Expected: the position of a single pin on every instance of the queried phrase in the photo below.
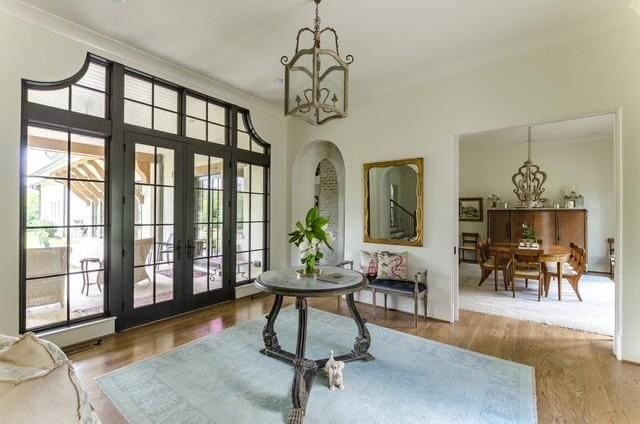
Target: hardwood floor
(578, 379)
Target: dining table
(552, 253)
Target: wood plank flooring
(578, 379)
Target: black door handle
(178, 249)
(190, 248)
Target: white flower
(315, 241)
(330, 236)
(325, 226)
(304, 245)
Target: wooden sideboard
(552, 226)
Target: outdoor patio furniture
(141, 252)
(42, 262)
(86, 280)
(165, 250)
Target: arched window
(127, 205)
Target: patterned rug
(223, 379)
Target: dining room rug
(595, 314)
(224, 379)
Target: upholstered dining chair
(527, 265)
(500, 261)
(571, 271)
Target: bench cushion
(398, 286)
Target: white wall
(580, 77)
(585, 166)
(43, 48)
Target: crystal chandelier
(529, 180)
(316, 79)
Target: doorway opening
(574, 223)
(319, 180)
(327, 199)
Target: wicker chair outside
(41, 262)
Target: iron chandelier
(316, 80)
(529, 180)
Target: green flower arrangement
(528, 233)
(309, 238)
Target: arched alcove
(323, 156)
(327, 199)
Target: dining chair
(571, 271)
(500, 261)
(469, 243)
(527, 265)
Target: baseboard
(630, 349)
(80, 333)
(246, 290)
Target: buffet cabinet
(552, 226)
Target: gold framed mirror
(393, 202)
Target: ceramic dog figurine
(334, 369)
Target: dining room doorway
(551, 185)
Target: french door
(176, 211)
(208, 229)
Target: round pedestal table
(287, 282)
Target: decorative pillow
(38, 384)
(369, 263)
(28, 351)
(392, 266)
(51, 396)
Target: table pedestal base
(305, 369)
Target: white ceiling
(240, 42)
(581, 130)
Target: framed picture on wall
(470, 209)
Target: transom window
(88, 95)
(205, 120)
(245, 140)
(150, 104)
(106, 221)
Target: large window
(65, 229)
(108, 155)
(252, 221)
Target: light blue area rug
(223, 379)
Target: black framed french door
(177, 227)
(153, 230)
(208, 226)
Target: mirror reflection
(393, 202)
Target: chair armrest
(343, 263)
(420, 277)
